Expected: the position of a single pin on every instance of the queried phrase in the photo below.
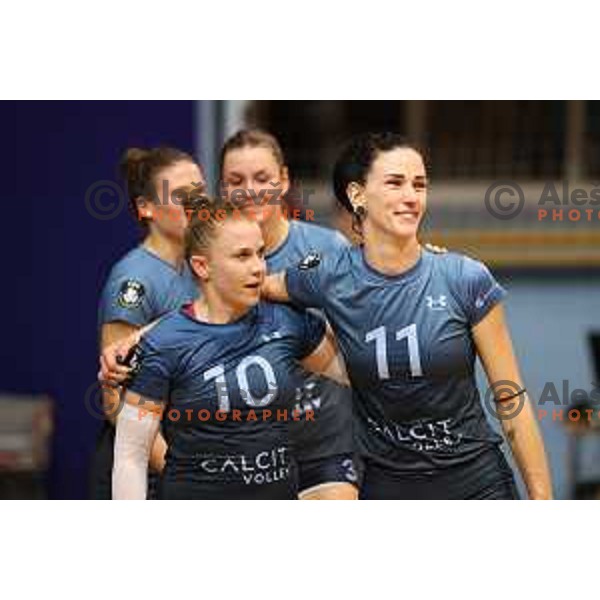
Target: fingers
(110, 356)
(112, 375)
(436, 249)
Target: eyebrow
(236, 174)
(186, 187)
(402, 176)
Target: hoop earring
(358, 216)
(360, 212)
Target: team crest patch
(131, 294)
(309, 261)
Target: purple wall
(56, 254)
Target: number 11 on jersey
(379, 336)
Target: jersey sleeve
(313, 328)
(307, 281)
(127, 299)
(480, 291)
(152, 371)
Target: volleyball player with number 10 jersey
(224, 369)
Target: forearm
(494, 347)
(527, 446)
(327, 360)
(336, 370)
(111, 402)
(158, 452)
(274, 288)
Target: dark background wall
(56, 254)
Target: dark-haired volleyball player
(151, 279)
(410, 325)
(225, 370)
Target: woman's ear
(199, 265)
(145, 208)
(355, 195)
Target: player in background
(254, 175)
(151, 279)
(410, 325)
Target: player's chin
(176, 232)
(250, 295)
(264, 213)
(404, 228)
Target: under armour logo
(482, 299)
(267, 337)
(310, 260)
(437, 304)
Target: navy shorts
(487, 477)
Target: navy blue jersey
(331, 432)
(409, 351)
(229, 392)
(142, 287)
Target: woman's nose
(258, 265)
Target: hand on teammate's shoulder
(436, 249)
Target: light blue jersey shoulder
(141, 287)
(303, 240)
(472, 283)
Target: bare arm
(326, 360)
(495, 350)
(274, 288)
(111, 335)
(111, 370)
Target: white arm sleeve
(136, 430)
